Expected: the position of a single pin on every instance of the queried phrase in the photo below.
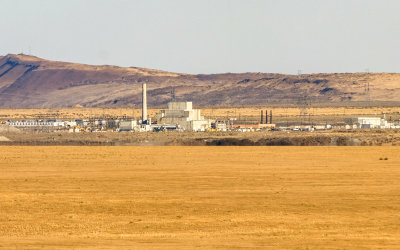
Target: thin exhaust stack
(144, 104)
(262, 118)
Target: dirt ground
(199, 197)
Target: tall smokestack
(144, 104)
(262, 118)
(270, 116)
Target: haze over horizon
(208, 36)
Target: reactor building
(182, 115)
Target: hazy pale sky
(208, 36)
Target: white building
(128, 125)
(372, 122)
(71, 124)
(35, 123)
(184, 116)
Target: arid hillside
(28, 81)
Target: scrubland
(281, 114)
(361, 137)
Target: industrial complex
(181, 116)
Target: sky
(208, 36)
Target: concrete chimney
(144, 104)
(262, 118)
(270, 116)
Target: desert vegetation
(372, 137)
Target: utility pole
(367, 90)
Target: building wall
(127, 125)
(372, 122)
(199, 125)
(182, 114)
(180, 106)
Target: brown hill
(28, 81)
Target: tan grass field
(199, 197)
(229, 112)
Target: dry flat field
(204, 197)
(229, 112)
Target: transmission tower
(173, 97)
(367, 90)
(304, 104)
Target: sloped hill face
(27, 81)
